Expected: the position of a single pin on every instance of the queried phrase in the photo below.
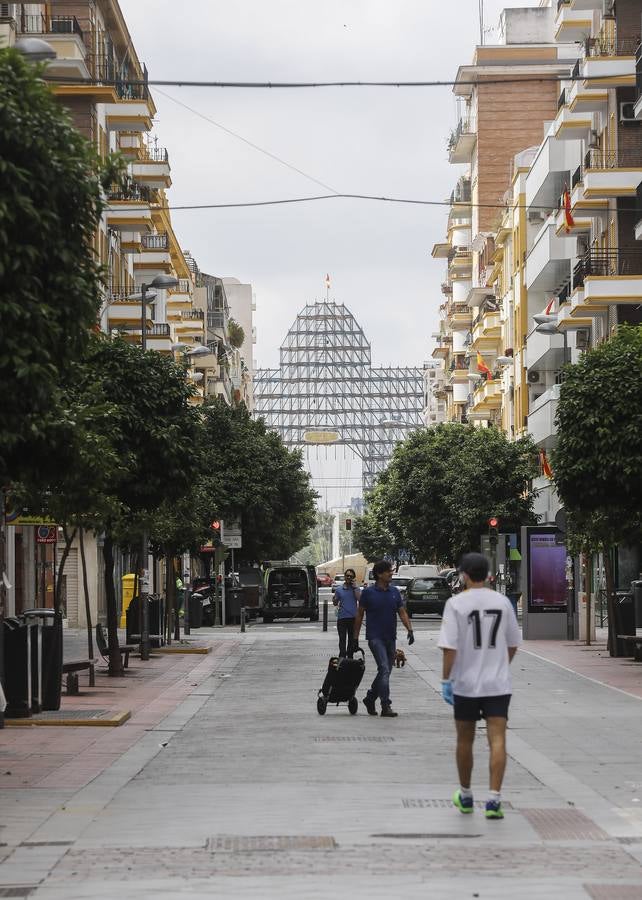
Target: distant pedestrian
(381, 603)
(346, 599)
(479, 637)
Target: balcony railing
(183, 285)
(610, 45)
(193, 314)
(129, 85)
(216, 319)
(607, 263)
(561, 100)
(132, 191)
(41, 24)
(155, 241)
(466, 125)
(154, 154)
(462, 192)
(613, 159)
(160, 329)
(576, 177)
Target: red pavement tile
(71, 757)
(592, 662)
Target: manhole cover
(334, 738)
(269, 842)
(73, 714)
(411, 803)
(563, 825)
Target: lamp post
(35, 50)
(161, 282)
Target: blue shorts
(472, 709)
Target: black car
(427, 595)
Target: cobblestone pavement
(233, 786)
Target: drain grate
(351, 738)
(418, 836)
(269, 842)
(564, 825)
(411, 803)
(46, 843)
(613, 891)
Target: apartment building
(109, 101)
(502, 107)
(434, 411)
(242, 301)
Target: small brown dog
(400, 658)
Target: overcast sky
(384, 141)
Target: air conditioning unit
(7, 10)
(582, 338)
(533, 377)
(627, 112)
(536, 215)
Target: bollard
(242, 619)
(325, 615)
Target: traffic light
(493, 530)
(215, 528)
(348, 524)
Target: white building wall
(240, 298)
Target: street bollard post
(186, 600)
(325, 615)
(242, 619)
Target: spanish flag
(569, 221)
(549, 306)
(544, 463)
(482, 367)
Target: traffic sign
(232, 535)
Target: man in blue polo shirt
(381, 603)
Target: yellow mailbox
(128, 593)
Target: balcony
(459, 315)
(541, 421)
(154, 255)
(487, 395)
(130, 207)
(123, 312)
(544, 352)
(462, 140)
(152, 167)
(66, 36)
(571, 24)
(549, 171)
(181, 295)
(584, 98)
(610, 174)
(568, 125)
(460, 199)
(460, 261)
(548, 263)
(487, 331)
(609, 59)
(587, 4)
(609, 276)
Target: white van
(425, 571)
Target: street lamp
(545, 318)
(161, 283)
(504, 360)
(35, 50)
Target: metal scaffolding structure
(326, 385)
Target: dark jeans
(384, 654)
(345, 627)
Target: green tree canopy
(236, 333)
(50, 206)
(440, 488)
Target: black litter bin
(17, 668)
(636, 588)
(625, 620)
(132, 624)
(46, 658)
(195, 611)
(233, 605)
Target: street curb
(113, 721)
(203, 651)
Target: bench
(103, 647)
(71, 669)
(636, 640)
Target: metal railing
(128, 84)
(158, 329)
(561, 100)
(183, 286)
(597, 158)
(607, 263)
(462, 192)
(155, 241)
(131, 191)
(610, 45)
(153, 154)
(216, 319)
(576, 177)
(193, 314)
(41, 24)
(466, 125)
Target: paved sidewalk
(235, 787)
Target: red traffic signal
(493, 522)
(215, 526)
(348, 524)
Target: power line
(279, 85)
(373, 197)
(248, 142)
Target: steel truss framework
(326, 383)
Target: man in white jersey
(479, 637)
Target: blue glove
(447, 692)
(411, 637)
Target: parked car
(401, 582)
(425, 570)
(291, 592)
(324, 580)
(452, 577)
(427, 595)
(339, 579)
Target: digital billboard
(547, 584)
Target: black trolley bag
(341, 683)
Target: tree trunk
(610, 602)
(85, 586)
(69, 539)
(115, 661)
(170, 593)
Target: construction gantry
(326, 386)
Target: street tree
(598, 459)
(442, 484)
